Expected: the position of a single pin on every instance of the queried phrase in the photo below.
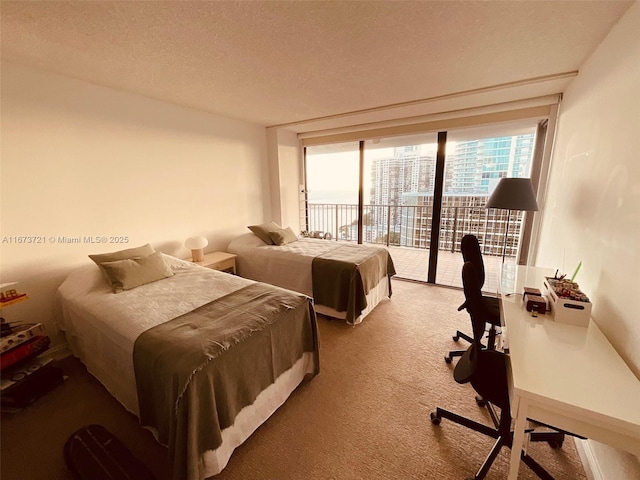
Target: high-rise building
(405, 182)
(400, 207)
(406, 171)
(475, 166)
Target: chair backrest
(468, 363)
(485, 369)
(474, 303)
(470, 248)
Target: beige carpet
(366, 416)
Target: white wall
(593, 204)
(290, 159)
(285, 171)
(84, 160)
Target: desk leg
(518, 441)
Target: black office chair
(470, 248)
(487, 372)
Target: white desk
(566, 376)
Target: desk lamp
(196, 245)
(512, 194)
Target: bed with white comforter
(290, 266)
(102, 327)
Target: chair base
(460, 335)
(503, 436)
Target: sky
(339, 171)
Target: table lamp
(512, 194)
(196, 245)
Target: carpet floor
(365, 416)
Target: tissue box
(567, 310)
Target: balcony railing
(410, 225)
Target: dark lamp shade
(513, 194)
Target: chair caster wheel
(455, 338)
(435, 419)
(480, 401)
(448, 359)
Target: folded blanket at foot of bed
(196, 372)
(344, 276)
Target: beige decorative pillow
(133, 272)
(283, 236)
(142, 251)
(262, 231)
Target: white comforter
(288, 266)
(102, 327)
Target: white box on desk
(565, 310)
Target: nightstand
(223, 261)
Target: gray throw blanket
(344, 276)
(196, 372)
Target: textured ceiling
(283, 62)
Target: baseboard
(588, 459)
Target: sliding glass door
(401, 176)
(419, 194)
(476, 159)
(332, 177)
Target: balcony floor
(413, 264)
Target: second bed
(346, 280)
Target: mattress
(101, 329)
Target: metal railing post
(388, 222)
(455, 226)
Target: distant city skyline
(472, 167)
